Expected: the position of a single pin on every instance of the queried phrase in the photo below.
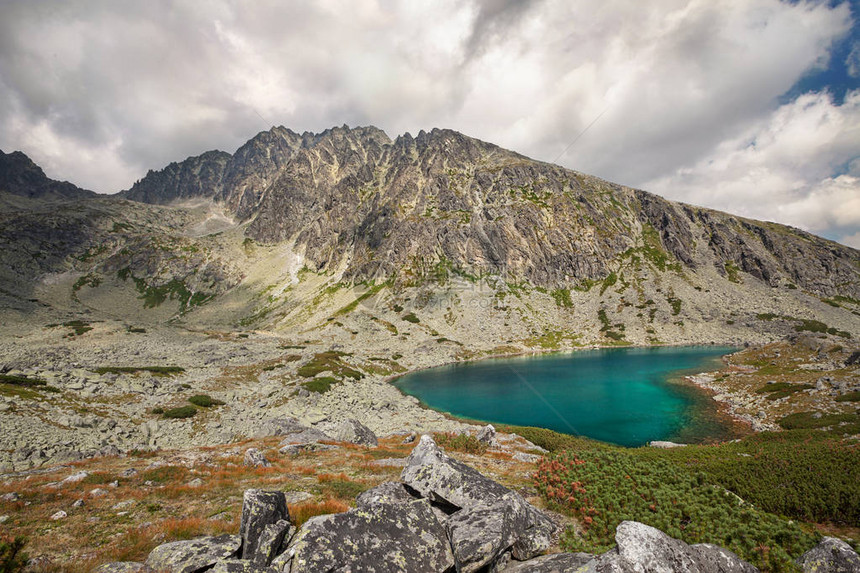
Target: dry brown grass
(301, 512)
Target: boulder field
(441, 516)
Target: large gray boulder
(831, 555)
(278, 427)
(354, 432)
(386, 492)
(193, 555)
(259, 509)
(305, 435)
(556, 563)
(643, 549)
(487, 519)
(392, 537)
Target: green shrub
(12, 556)
(157, 410)
(21, 381)
(205, 401)
(154, 370)
(411, 318)
(181, 412)
(811, 420)
(465, 443)
(604, 488)
(320, 385)
(782, 389)
(562, 297)
(849, 397)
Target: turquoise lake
(625, 396)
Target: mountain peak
(19, 175)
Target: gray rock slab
(271, 541)
(259, 509)
(643, 548)
(380, 537)
(240, 566)
(387, 492)
(556, 563)
(193, 555)
(355, 432)
(831, 555)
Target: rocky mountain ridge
(393, 207)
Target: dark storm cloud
(99, 92)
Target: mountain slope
(20, 176)
(392, 208)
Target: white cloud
(798, 166)
(100, 91)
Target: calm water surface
(626, 396)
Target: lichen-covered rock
(515, 524)
(259, 509)
(380, 537)
(831, 555)
(240, 566)
(556, 563)
(295, 449)
(256, 459)
(193, 555)
(444, 480)
(487, 435)
(355, 432)
(122, 567)
(481, 534)
(387, 492)
(304, 436)
(644, 549)
(272, 541)
(278, 427)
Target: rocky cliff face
(400, 209)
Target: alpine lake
(625, 396)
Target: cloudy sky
(751, 106)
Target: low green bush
(12, 556)
(180, 412)
(321, 384)
(205, 401)
(411, 318)
(604, 488)
(849, 397)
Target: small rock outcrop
(256, 459)
(487, 435)
(487, 519)
(193, 555)
(355, 432)
(556, 563)
(831, 555)
(259, 509)
(642, 548)
(384, 536)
